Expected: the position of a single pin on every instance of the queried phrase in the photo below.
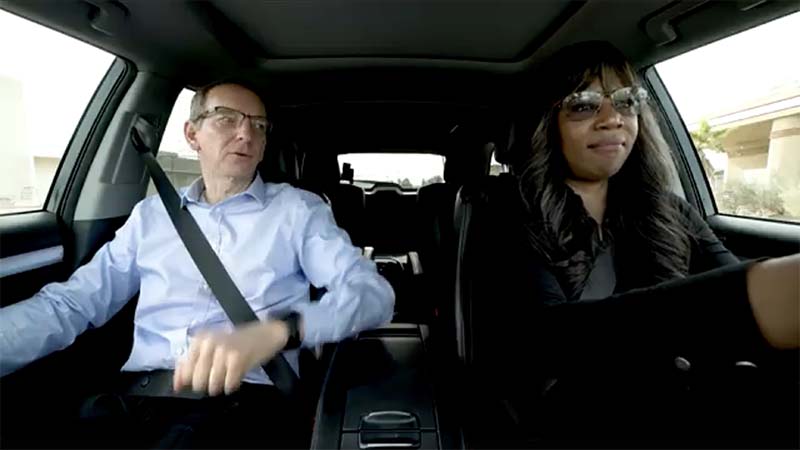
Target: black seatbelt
(217, 278)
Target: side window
(179, 162)
(740, 99)
(46, 81)
(495, 168)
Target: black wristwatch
(292, 320)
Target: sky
(56, 89)
(735, 70)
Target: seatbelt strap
(214, 273)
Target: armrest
(379, 393)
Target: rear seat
(321, 171)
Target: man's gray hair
(198, 105)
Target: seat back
(490, 246)
(437, 235)
(321, 171)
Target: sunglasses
(586, 104)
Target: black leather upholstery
(321, 170)
(487, 228)
(513, 148)
(436, 201)
(437, 233)
(281, 165)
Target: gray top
(603, 278)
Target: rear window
(408, 170)
(179, 162)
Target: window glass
(46, 81)
(495, 168)
(408, 170)
(740, 99)
(179, 162)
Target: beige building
(761, 144)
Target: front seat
(436, 202)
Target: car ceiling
(444, 56)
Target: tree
(405, 183)
(435, 179)
(706, 139)
(755, 200)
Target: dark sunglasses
(586, 104)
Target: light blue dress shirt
(273, 239)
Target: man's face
(229, 144)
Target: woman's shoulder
(690, 215)
(678, 201)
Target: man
(273, 240)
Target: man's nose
(608, 116)
(245, 129)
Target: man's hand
(219, 361)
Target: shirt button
(181, 351)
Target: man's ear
(263, 152)
(190, 133)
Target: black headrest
(280, 164)
(517, 147)
(468, 163)
(321, 168)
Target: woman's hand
(773, 287)
(217, 362)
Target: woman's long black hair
(650, 238)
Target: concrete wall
(45, 168)
(784, 160)
(17, 183)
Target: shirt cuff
(316, 324)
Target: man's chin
(239, 174)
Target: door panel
(752, 238)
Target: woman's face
(596, 142)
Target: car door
(69, 180)
(733, 114)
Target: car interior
(441, 78)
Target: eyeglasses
(586, 104)
(229, 119)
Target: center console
(380, 392)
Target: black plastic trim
(72, 171)
(754, 238)
(23, 233)
(697, 192)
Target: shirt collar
(194, 191)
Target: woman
(616, 269)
